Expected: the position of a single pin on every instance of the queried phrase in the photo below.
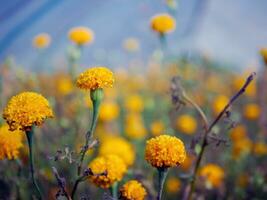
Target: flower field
(179, 128)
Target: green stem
(162, 177)
(29, 135)
(114, 191)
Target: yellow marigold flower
(64, 85)
(251, 111)
(173, 185)
(120, 147)
(213, 175)
(134, 126)
(219, 103)
(260, 149)
(186, 124)
(81, 35)
(96, 77)
(163, 23)
(41, 40)
(165, 151)
(27, 109)
(263, 53)
(112, 165)
(134, 103)
(109, 111)
(10, 143)
(132, 190)
(241, 147)
(131, 44)
(237, 133)
(186, 165)
(157, 128)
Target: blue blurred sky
(229, 31)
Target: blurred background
(230, 32)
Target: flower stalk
(162, 174)
(29, 134)
(114, 190)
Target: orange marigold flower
(213, 175)
(81, 35)
(132, 190)
(163, 23)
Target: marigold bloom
(120, 147)
(25, 110)
(94, 78)
(113, 165)
(132, 190)
(64, 85)
(134, 103)
(237, 133)
(186, 124)
(219, 103)
(131, 44)
(163, 23)
(173, 185)
(157, 128)
(109, 111)
(260, 149)
(81, 35)
(41, 40)
(213, 175)
(186, 165)
(165, 151)
(252, 111)
(10, 143)
(263, 53)
(241, 147)
(134, 126)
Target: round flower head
(41, 40)
(94, 78)
(213, 175)
(112, 165)
(10, 143)
(186, 124)
(120, 147)
(109, 111)
(132, 190)
(165, 151)
(252, 111)
(81, 35)
(219, 103)
(173, 185)
(163, 23)
(25, 110)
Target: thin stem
(114, 190)
(162, 177)
(96, 105)
(207, 131)
(77, 182)
(29, 135)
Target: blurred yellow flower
(10, 143)
(41, 40)
(112, 165)
(243, 180)
(96, 77)
(219, 103)
(186, 165)
(260, 149)
(118, 146)
(132, 190)
(134, 103)
(213, 175)
(251, 90)
(134, 126)
(251, 111)
(186, 124)
(157, 128)
(165, 151)
(131, 44)
(263, 53)
(81, 35)
(173, 185)
(163, 23)
(25, 110)
(109, 111)
(237, 133)
(64, 85)
(241, 147)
